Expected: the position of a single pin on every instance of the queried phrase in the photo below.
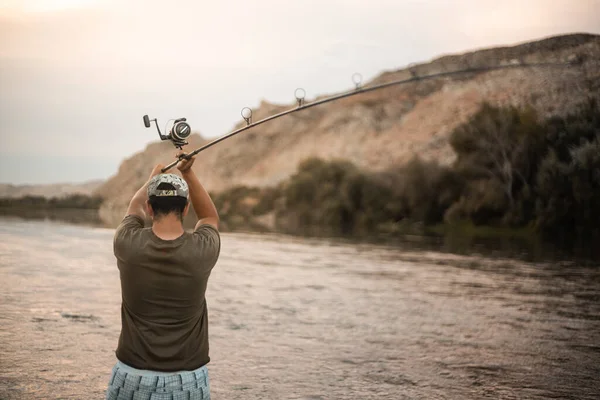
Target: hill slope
(382, 128)
(50, 190)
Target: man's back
(163, 284)
(164, 271)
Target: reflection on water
(490, 244)
(71, 216)
(311, 319)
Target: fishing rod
(180, 130)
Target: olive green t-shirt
(164, 319)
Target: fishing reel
(178, 132)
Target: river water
(294, 318)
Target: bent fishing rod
(180, 130)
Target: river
(298, 318)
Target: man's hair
(167, 204)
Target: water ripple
(310, 319)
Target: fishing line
(181, 129)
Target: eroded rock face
(380, 129)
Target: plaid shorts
(127, 383)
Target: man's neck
(168, 227)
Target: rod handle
(174, 163)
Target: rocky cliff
(379, 129)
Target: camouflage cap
(181, 187)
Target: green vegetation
(514, 174)
(524, 172)
(240, 207)
(76, 209)
(334, 198)
(75, 201)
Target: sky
(76, 76)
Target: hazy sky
(76, 76)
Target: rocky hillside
(51, 190)
(382, 128)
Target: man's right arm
(138, 201)
(203, 205)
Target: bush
(498, 151)
(314, 200)
(569, 192)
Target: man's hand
(203, 205)
(185, 164)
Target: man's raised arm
(203, 205)
(138, 201)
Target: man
(163, 348)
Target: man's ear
(149, 210)
(186, 209)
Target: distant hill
(380, 129)
(50, 190)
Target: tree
(499, 147)
(494, 142)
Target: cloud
(16, 7)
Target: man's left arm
(137, 205)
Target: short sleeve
(208, 243)
(125, 233)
